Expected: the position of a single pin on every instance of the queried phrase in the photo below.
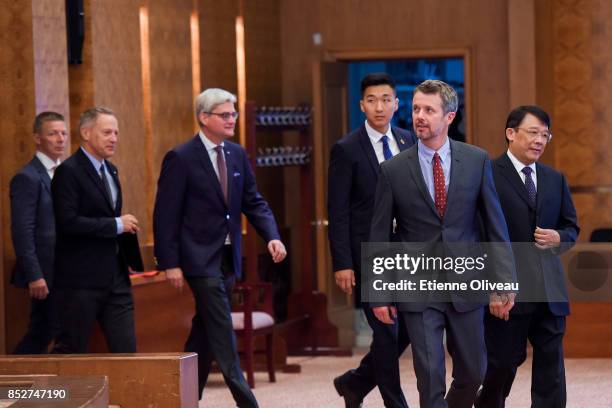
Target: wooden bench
(155, 380)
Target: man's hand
(277, 249)
(546, 238)
(385, 314)
(38, 289)
(500, 305)
(175, 277)
(345, 279)
(130, 223)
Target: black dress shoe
(351, 400)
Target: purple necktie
(222, 170)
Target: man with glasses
(538, 208)
(204, 186)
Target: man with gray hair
(95, 243)
(204, 186)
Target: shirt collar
(518, 165)
(375, 135)
(46, 161)
(96, 163)
(207, 142)
(428, 153)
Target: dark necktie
(529, 185)
(106, 183)
(386, 149)
(439, 185)
(222, 170)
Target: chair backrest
(601, 235)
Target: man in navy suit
(33, 231)
(95, 242)
(204, 186)
(353, 173)
(437, 191)
(538, 209)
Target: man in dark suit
(204, 186)
(353, 173)
(33, 231)
(95, 243)
(436, 191)
(538, 209)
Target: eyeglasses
(224, 115)
(534, 133)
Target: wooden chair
(253, 316)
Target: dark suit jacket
(402, 194)
(32, 224)
(554, 209)
(192, 219)
(88, 247)
(352, 177)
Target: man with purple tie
(204, 186)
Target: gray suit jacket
(472, 205)
(32, 224)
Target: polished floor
(589, 385)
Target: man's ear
(361, 106)
(36, 138)
(510, 135)
(396, 105)
(450, 116)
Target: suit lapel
(113, 173)
(402, 143)
(509, 172)
(202, 153)
(542, 187)
(417, 174)
(94, 176)
(44, 176)
(229, 163)
(456, 171)
(368, 150)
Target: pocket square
(237, 174)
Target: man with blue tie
(353, 173)
(33, 232)
(204, 186)
(95, 242)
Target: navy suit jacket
(191, 218)
(32, 224)
(88, 248)
(554, 209)
(352, 177)
(402, 194)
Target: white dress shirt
(49, 164)
(377, 144)
(520, 166)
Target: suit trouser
(44, 325)
(113, 308)
(380, 366)
(507, 350)
(212, 334)
(465, 344)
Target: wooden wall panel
(171, 80)
(218, 44)
(117, 84)
(583, 104)
(17, 110)
(80, 79)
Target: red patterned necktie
(439, 185)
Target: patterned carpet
(588, 383)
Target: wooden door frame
(347, 56)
